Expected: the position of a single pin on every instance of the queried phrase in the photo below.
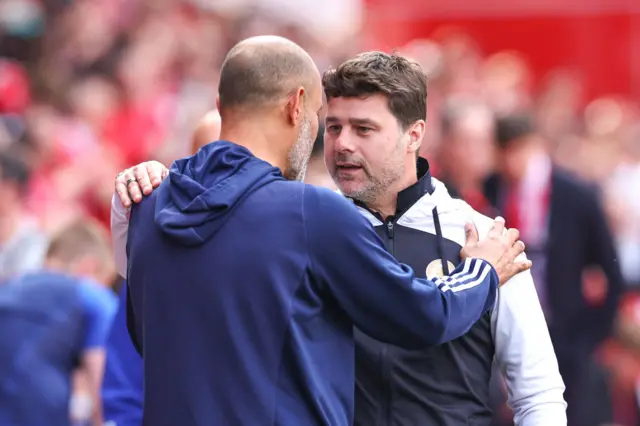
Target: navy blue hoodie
(245, 288)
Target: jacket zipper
(385, 418)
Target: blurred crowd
(88, 88)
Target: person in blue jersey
(54, 323)
(245, 284)
(122, 384)
(122, 394)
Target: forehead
(374, 107)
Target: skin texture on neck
(259, 137)
(386, 203)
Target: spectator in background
(467, 127)
(624, 207)
(615, 396)
(561, 220)
(53, 322)
(122, 395)
(22, 245)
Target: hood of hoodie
(201, 191)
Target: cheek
(376, 150)
(329, 154)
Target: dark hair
(14, 170)
(400, 79)
(513, 127)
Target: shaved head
(269, 98)
(261, 71)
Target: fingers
(143, 183)
(521, 266)
(130, 183)
(515, 250)
(497, 229)
(512, 236)
(513, 266)
(471, 233)
(156, 173)
(123, 194)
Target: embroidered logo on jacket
(435, 269)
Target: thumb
(471, 233)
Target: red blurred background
(596, 39)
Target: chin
(348, 188)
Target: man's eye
(333, 129)
(364, 129)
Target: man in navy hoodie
(245, 284)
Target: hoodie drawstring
(436, 222)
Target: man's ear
(218, 102)
(295, 105)
(416, 133)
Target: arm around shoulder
(383, 297)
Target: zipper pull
(390, 229)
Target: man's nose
(344, 143)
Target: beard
(373, 183)
(301, 152)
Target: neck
(386, 204)
(258, 136)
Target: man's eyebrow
(353, 121)
(363, 122)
